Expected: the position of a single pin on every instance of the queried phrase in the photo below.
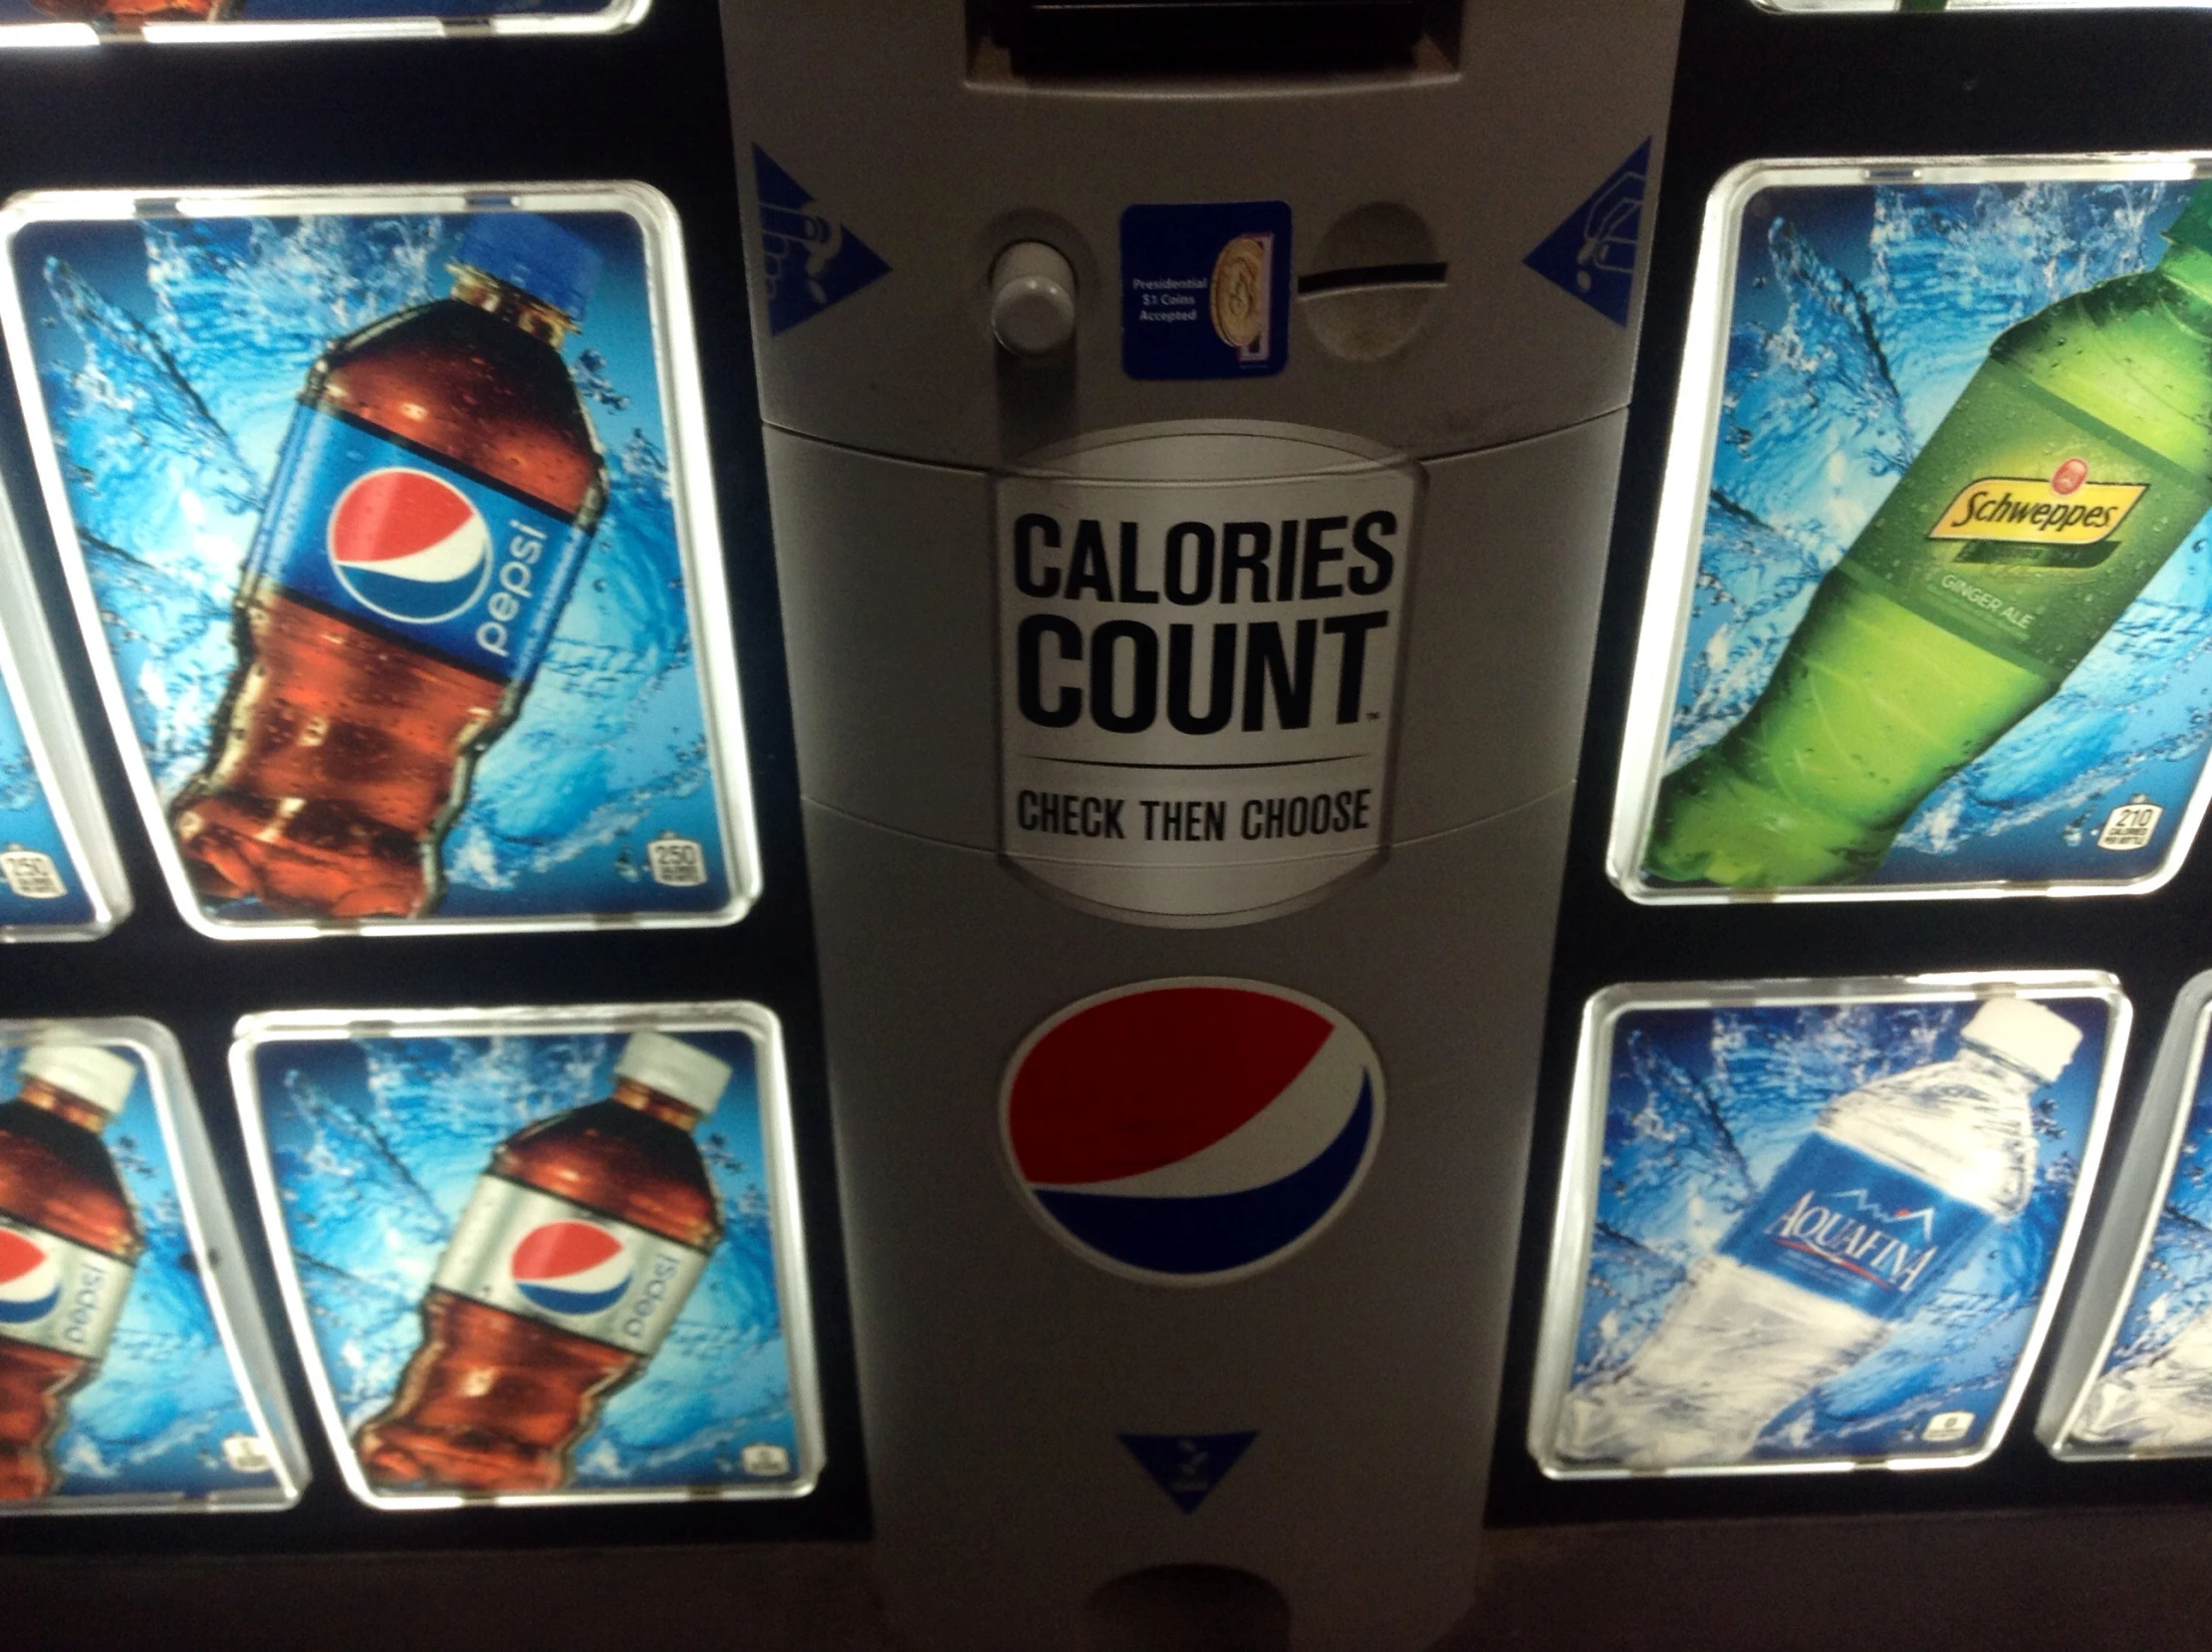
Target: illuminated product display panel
(2002, 688)
(122, 1279)
(491, 681)
(62, 23)
(487, 1184)
(2133, 1374)
(1808, 1225)
(60, 878)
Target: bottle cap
(2025, 1033)
(536, 255)
(2194, 227)
(85, 1071)
(681, 1072)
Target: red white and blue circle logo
(570, 1268)
(29, 1279)
(409, 546)
(1192, 1131)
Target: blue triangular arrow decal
(1594, 254)
(1188, 1465)
(809, 260)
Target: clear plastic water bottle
(1892, 1189)
(2161, 1403)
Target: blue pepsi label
(381, 535)
(1853, 1229)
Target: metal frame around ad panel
(30, 677)
(2128, 1221)
(213, 1236)
(1576, 1211)
(692, 497)
(612, 18)
(1679, 533)
(780, 1174)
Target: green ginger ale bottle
(2076, 459)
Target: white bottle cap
(2025, 1033)
(85, 1071)
(681, 1072)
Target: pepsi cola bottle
(568, 1265)
(69, 1239)
(434, 501)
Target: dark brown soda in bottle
(521, 1346)
(344, 745)
(66, 1228)
(130, 13)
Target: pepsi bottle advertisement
(1801, 1230)
(1930, 597)
(523, 1267)
(43, 22)
(389, 525)
(136, 1375)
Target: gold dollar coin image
(1240, 292)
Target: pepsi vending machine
(1054, 825)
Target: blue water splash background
(26, 823)
(1861, 312)
(1702, 1107)
(152, 1420)
(2174, 1288)
(377, 1145)
(171, 354)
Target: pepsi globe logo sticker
(1192, 1131)
(30, 1281)
(409, 546)
(570, 1268)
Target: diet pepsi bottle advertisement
(390, 531)
(1817, 1229)
(136, 1375)
(540, 1256)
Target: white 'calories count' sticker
(1198, 650)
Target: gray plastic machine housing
(1382, 355)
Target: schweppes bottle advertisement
(2074, 462)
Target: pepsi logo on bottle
(436, 557)
(409, 546)
(571, 1268)
(532, 1254)
(29, 1279)
(1192, 1131)
(56, 1295)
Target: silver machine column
(1191, 445)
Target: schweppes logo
(2066, 509)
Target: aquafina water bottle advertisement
(1817, 1231)
(392, 538)
(1939, 577)
(534, 1259)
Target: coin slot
(1370, 282)
(1372, 275)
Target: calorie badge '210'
(1192, 1131)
